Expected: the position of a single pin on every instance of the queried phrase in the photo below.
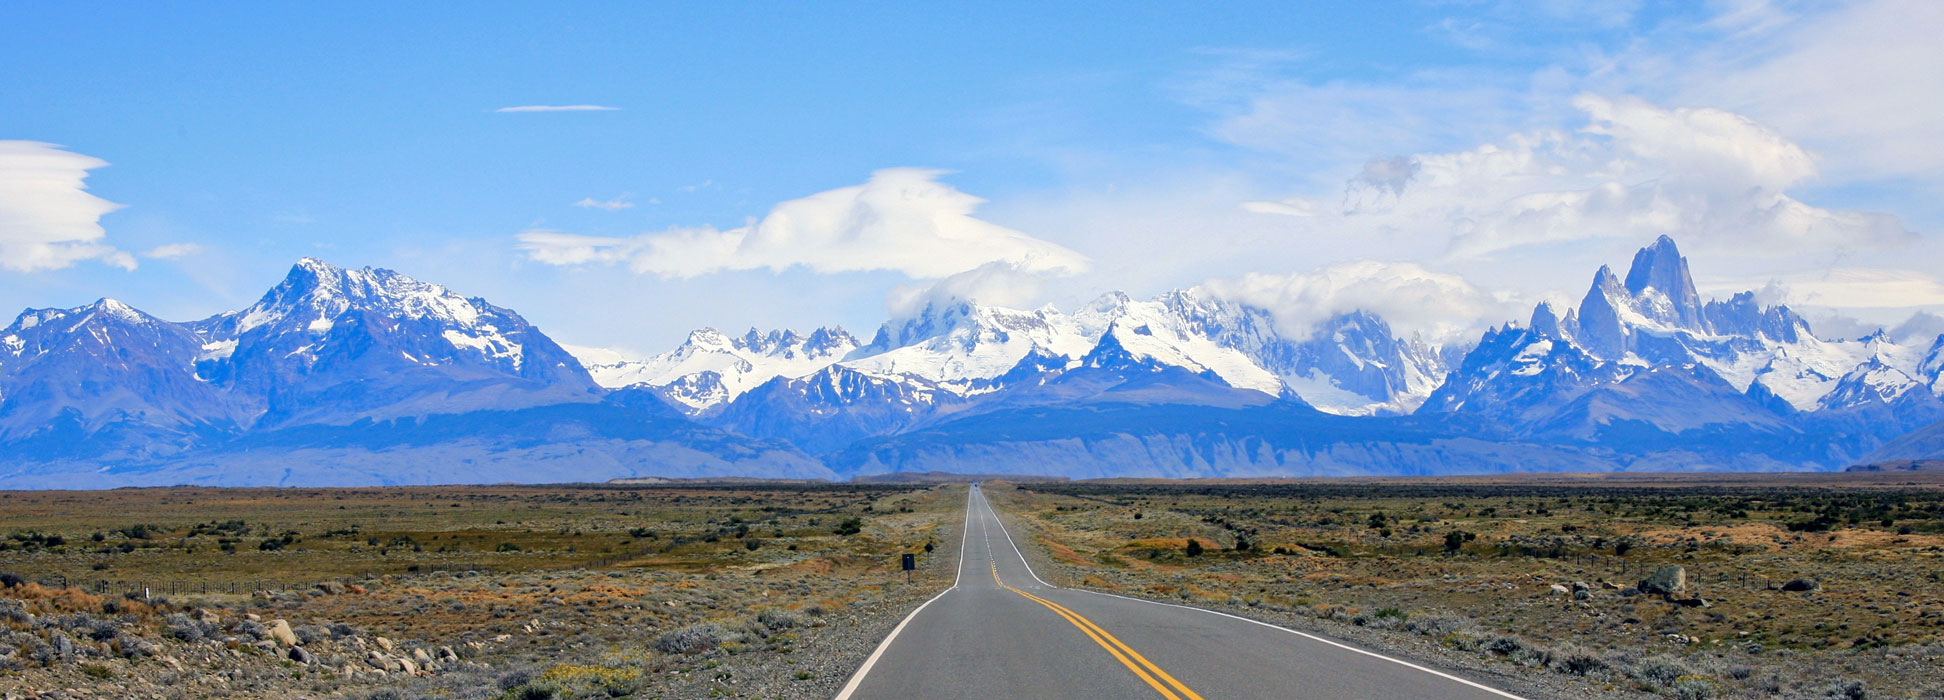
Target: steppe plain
(1793, 586)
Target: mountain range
(340, 377)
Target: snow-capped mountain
(333, 345)
(1352, 364)
(962, 347)
(1631, 335)
(106, 372)
(711, 368)
(334, 377)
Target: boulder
(331, 587)
(1695, 602)
(1669, 580)
(383, 643)
(1802, 585)
(447, 654)
(421, 657)
(1579, 586)
(300, 655)
(281, 632)
(1560, 590)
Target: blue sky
(1115, 147)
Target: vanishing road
(1001, 632)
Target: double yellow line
(1142, 668)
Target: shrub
(1660, 671)
(1439, 625)
(850, 526)
(189, 629)
(1693, 688)
(778, 619)
(1579, 663)
(1843, 690)
(11, 580)
(691, 639)
(1194, 547)
(1505, 646)
(12, 611)
(1534, 656)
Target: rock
(331, 587)
(421, 657)
(1802, 585)
(1581, 586)
(383, 643)
(1629, 592)
(1695, 602)
(253, 617)
(1582, 594)
(407, 665)
(447, 654)
(1669, 580)
(171, 662)
(280, 631)
(264, 645)
(377, 660)
(1560, 590)
(302, 656)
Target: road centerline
(1142, 668)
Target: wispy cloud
(616, 204)
(558, 108)
(172, 251)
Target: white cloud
(1856, 81)
(48, 219)
(1921, 328)
(616, 204)
(1412, 299)
(902, 220)
(1632, 171)
(1637, 170)
(558, 108)
(991, 284)
(172, 251)
(1840, 288)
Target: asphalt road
(1001, 632)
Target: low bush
(691, 639)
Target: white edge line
(964, 534)
(858, 678)
(1015, 545)
(1307, 635)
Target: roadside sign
(910, 562)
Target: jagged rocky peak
(315, 293)
(1659, 275)
(1601, 326)
(828, 340)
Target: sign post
(909, 562)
